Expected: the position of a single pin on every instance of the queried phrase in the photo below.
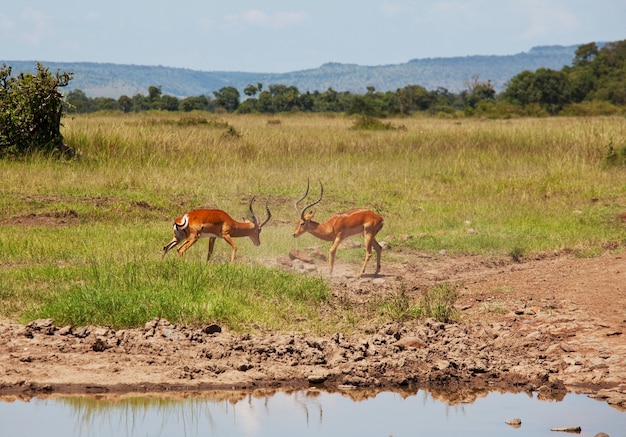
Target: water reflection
(310, 412)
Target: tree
(140, 103)
(412, 98)
(105, 104)
(548, 88)
(31, 108)
(154, 93)
(168, 103)
(227, 98)
(585, 54)
(198, 103)
(252, 90)
(279, 98)
(609, 69)
(478, 91)
(125, 103)
(78, 102)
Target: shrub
(615, 156)
(30, 111)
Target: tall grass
(83, 237)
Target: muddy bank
(553, 338)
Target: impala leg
(170, 245)
(368, 251)
(211, 246)
(331, 254)
(379, 251)
(191, 239)
(230, 241)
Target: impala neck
(242, 229)
(323, 231)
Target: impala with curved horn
(341, 226)
(214, 223)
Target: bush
(30, 111)
(615, 156)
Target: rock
(45, 326)
(82, 332)
(516, 422)
(284, 260)
(410, 343)
(170, 333)
(66, 330)
(100, 345)
(39, 324)
(574, 429)
(244, 366)
(318, 377)
(212, 329)
(101, 332)
(301, 255)
(151, 325)
(316, 252)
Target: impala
(214, 223)
(341, 226)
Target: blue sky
(282, 36)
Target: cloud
(206, 23)
(288, 19)
(6, 24)
(391, 9)
(452, 7)
(252, 16)
(258, 18)
(39, 24)
(548, 18)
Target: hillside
(114, 80)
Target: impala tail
(180, 227)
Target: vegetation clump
(31, 108)
(615, 156)
(366, 122)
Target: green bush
(30, 112)
(615, 156)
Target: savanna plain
(503, 261)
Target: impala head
(304, 221)
(255, 236)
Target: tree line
(31, 105)
(596, 79)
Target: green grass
(80, 240)
(242, 297)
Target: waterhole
(309, 413)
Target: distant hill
(114, 80)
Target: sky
(278, 36)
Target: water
(308, 413)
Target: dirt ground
(552, 324)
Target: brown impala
(214, 223)
(341, 226)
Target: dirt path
(551, 324)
